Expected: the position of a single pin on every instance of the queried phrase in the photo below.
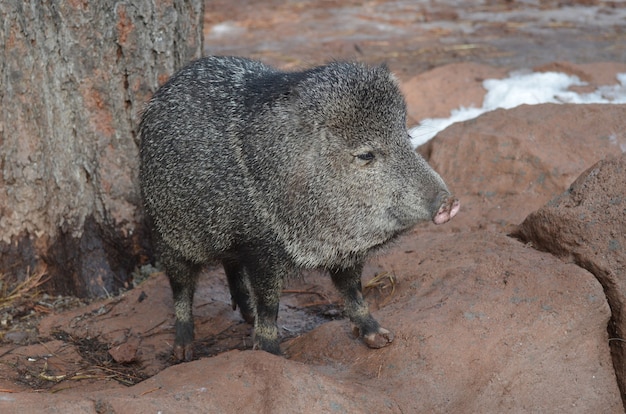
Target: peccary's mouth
(447, 210)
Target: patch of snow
(523, 88)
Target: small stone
(124, 353)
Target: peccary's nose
(448, 208)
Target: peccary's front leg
(265, 327)
(348, 282)
(183, 276)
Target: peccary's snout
(448, 207)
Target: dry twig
(26, 288)
(382, 281)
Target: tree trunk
(74, 75)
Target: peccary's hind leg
(239, 290)
(183, 276)
(348, 282)
(266, 274)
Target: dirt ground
(53, 344)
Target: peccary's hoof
(268, 343)
(379, 339)
(183, 353)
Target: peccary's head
(353, 180)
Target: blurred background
(413, 36)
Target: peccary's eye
(366, 156)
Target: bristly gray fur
(269, 171)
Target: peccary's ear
(384, 68)
(271, 88)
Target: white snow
(225, 29)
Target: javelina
(269, 172)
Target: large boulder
(232, 382)
(483, 324)
(505, 164)
(586, 225)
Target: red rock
(483, 324)
(507, 163)
(124, 353)
(433, 94)
(586, 225)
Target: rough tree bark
(74, 75)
